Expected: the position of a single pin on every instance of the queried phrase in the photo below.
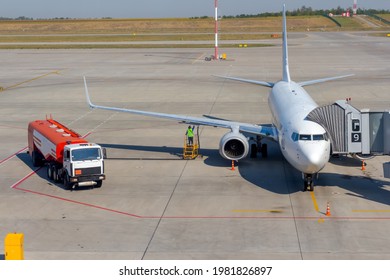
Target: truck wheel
(54, 171)
(67, 184)
(49, 172)
(99, 184)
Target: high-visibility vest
(190, 133)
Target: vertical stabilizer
(286, 71)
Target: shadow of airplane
(358, 186)
(290, 181)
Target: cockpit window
(318, 137)
(308, 137)
(305, 137)
(295, 136)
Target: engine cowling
(233, 146)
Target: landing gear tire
(253, 151)
(264, 150)
(311, 187)
(308, 183)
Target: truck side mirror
(104, 153)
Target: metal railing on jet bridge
(332, 119)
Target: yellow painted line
(256, 211)
(371, 211)
(313, 197)
(33, 79)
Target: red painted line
(11, 156)
(268, 217)
(77, 202)
(325, 218)
(86, 135)
(14, 186)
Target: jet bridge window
(305, 137)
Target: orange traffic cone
(327, 210)
(233, 165)
(363, 166)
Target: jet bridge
(352, 131)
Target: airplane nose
(315, 159)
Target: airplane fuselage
(303, 143)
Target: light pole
(216, 30)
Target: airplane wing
(265, 131)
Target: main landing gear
(308, 182)
(258, 147)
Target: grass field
(156, 26)
(385, 16)
(126, 38)
(95, 33)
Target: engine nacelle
(233, 146)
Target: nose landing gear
(308, 183)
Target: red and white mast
(354, 7)
(216, 30)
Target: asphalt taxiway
(154, 205)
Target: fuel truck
(68, 157)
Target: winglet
(87, 94)
(286, 71)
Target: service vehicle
(69, 157)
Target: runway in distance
(304, 144)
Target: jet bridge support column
(386, 134)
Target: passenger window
(305, 137)
(318, 137)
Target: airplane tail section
(313, 82)
(286, 71)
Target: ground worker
(190, 135)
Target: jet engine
(233, 146)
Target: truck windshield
(86, 154)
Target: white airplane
(304, 144)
